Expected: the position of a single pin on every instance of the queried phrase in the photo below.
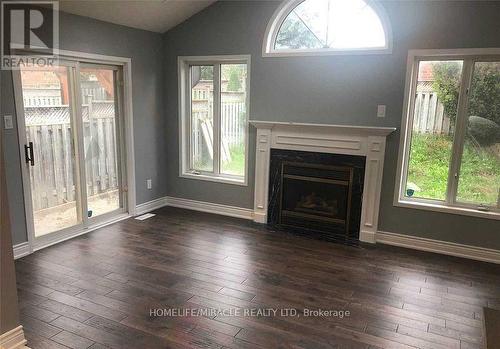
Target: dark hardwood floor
(97, 290)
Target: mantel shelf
(364, 130)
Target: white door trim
(128, 178)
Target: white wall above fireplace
(336, 139)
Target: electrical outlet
(7, 120)
(149, 183)
(381, 111)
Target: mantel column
(372, 188)
(262, 155)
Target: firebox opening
(316, 192)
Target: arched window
(309, 27)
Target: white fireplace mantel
(336, 139)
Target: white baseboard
(202, 206)
(21, 250)
(150, 206)
(13, 339)
(224, 210)
(437, 246)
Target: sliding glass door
(73, 145)
(50, 149)
(99, 110)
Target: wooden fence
(233, 122)
(232, 128)
(429, 116)
(53, 176)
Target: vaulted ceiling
(153, 15)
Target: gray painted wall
(145, 48)
(331, 89)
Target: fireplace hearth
(316, 193)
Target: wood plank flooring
(97, 290)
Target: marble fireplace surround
(335, 139)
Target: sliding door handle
(28, 154)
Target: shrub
(484, 131)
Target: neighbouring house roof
(60, 114)
(425, 72)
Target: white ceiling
(153, 15)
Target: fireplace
(316, 192)
(366, 145)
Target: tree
(234, 83)
(485, 93)
(447, 85)
(294, 34)
(484, 98)
(206, 72)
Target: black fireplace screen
(316, 191)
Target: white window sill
(463, 211)
(217, 179)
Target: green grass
(428, 169)
(237, 164)
(479, 176)
(234, 167)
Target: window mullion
(188, 133)
(217, 119)
(460, 131)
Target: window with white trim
(214, 95)
(450, 154)
(307, 27)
